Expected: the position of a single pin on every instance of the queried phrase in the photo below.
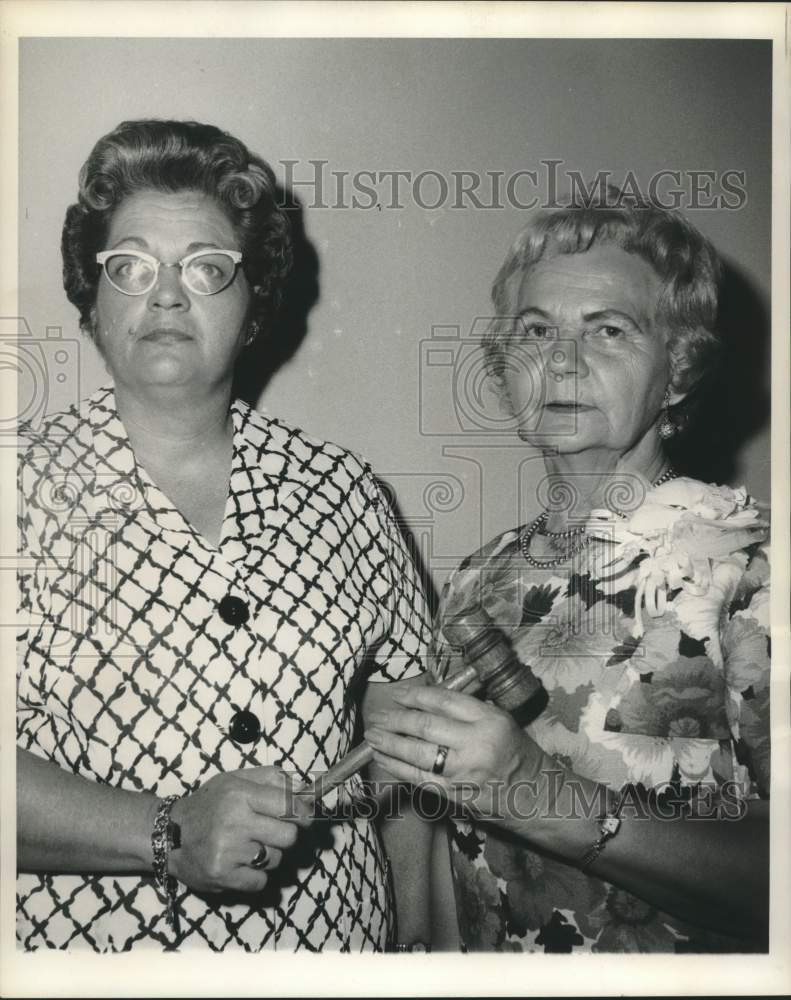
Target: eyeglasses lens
(131, 274)
(205, 274)
(209, 273)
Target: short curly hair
(686, 263)
(174, 156)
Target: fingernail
(373, 736)
(377, 717)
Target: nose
(565, 357)
(169, 291)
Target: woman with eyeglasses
(204, 592)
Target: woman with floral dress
(624, 807)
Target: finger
(424, 725)
(273, 856)
(419, 754)
(379, 695)
(246, 879)
(411, 774)
(281, 801)
(272, 776)
(451, 704)
(268, 830)
(275, 777)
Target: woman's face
(170, 335)
(588, 365)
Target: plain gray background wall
(365, 373)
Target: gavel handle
(466, 680)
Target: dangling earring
(666, 426)
(252, 333)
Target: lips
(166, 334)
(567, 407)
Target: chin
(167, 371)
(559, 443)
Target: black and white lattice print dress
(150, 661)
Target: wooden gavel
(491, 665)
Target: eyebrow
(143, 244)
(609, 314)
(589, 317)
(534, 311)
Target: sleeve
(44, 725)
(443, 659)
(403, 651)
(31, 715)
(746, 647)
(23, 568)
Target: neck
(599, 479)
(169, 428)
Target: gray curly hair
(686, 263)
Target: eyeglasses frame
(104, 255)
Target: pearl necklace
(576, 547)
(577, 536)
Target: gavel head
(507, 681)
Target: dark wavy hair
(686, 263)
(174, 156)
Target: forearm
(66, 823)
(407, 840)
(407, 837)
(710, 871)
(444, 921)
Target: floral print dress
(653, 651)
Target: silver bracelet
(610, 825)
(166, 836)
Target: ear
(677, 388)
(673, 397)
(89, 328)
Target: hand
(487, 751)
(227, 821)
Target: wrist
(609, 826)
(558, 810)
(141, 850)
(166, 837)
(177, 817)
(532, 792)
(581, 804)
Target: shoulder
(491, 567)
(698, 519)
(710, 501)
(721, 534)
(490, 551)
(282, 449)
(59, 441)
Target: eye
(538, 331)
(206, 268)
(611, 332)
(127, 266)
